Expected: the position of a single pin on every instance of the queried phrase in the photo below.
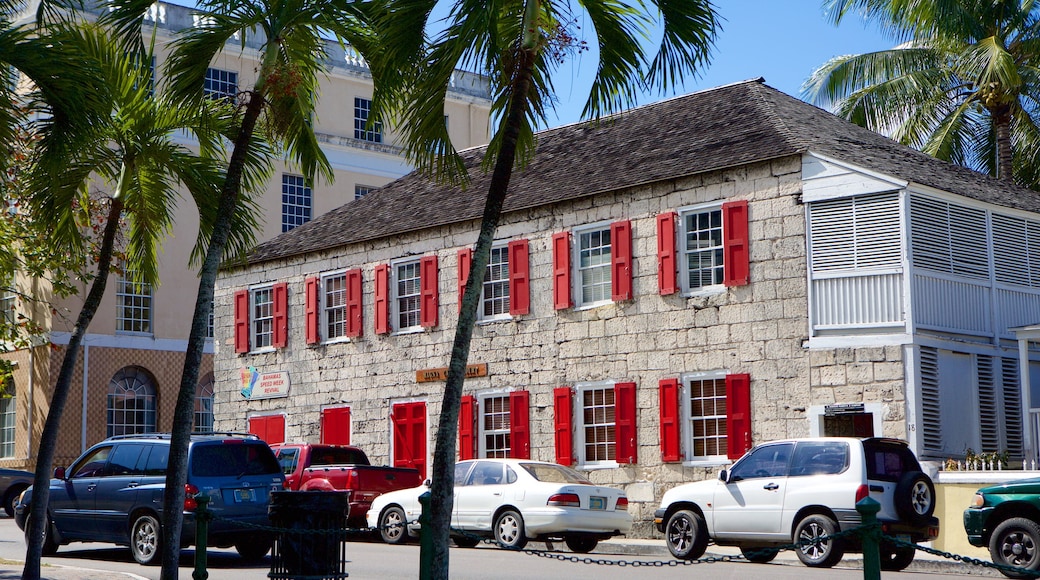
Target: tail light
(622, 504)
(353, 478)
(564, 500)
(862, 492)
(190, 491)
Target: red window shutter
(335, 426)
(519, 279)
(467, 447)
(242, 321)
(668, 397)
(738, 420)
(736, 248)
(280, 315)
(621, 260)
(428, 291)
(382, 299)
(355, 317)
(465, 261)
(562, 416)
(562, 270)
(520, 424)
(667, 268)
(625, 422)
(312, 299)
(269, 428)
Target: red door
(335, 426)
(409, 425)
(270, 428)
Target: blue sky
(780, 40)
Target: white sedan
(513, 501)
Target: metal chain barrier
(958, 558)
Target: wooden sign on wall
(441, 374)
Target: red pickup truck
(312, 466)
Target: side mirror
(59, 473)
(724, 476)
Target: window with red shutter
(381, 299)
(335, 426)
(668, 401)
(562, 270)
(519, 278)
(738, 420)
(465, 262)
(736, 247)
(467, 443)
(280, 311)
(621, 260)
(428, 292)
(269, 428)
(242, 321)
(352, 304)
(667, 267)
(312, 300)
(409, 437)
(562, 417)
(625, 422)
(520, 424)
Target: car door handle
(771, 486)
(91, 487)
(877, 488)
(134, 484)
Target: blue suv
(114, 493)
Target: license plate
(597, 503)
(245, 495)
(903, 538)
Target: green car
(1006, 519)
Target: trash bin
(310, 541)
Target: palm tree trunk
(49, 439)
(1002, 127)
(442, 485)
(177, 470)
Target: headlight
(978, 500)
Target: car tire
(581, 544)
(686, 535)
(11, 497)
(1016, 542)
(895, 558)
(509, 530)
(465, 541)
(146, 540)
(253, 548)
(393, 525)
(50, 547)
(824, 554)
(758, 555)
(915, 497)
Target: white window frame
(328, 308)
(483, 400)
(255, 333)
(684, 249)
(202, 410)
(362, 190)
(8, 419)
(145, 394)
(686, 410)
(396, 298)
(503, 249)
(579, 422)
(576, 269)
(136, 298)
(295, 187)
(8, 307)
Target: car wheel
(50, 547)
(758, 555)
(896, 558)
(393, 526)
(509, 530)
(254, 547)
(1016, 542)
(915, 497)
(817, 553)
(465, 541)
(581, 544)
(11, 498)
(146, 540)
(686, 535)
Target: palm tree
(131, 153)
(963, 86)
(278, 106)
(518, 44)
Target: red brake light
(190, 491)
(622, 504)
(862, 492)
(564, 500)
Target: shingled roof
(705, 131)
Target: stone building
(668, 287)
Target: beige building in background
(131, 359)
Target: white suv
(797, 490)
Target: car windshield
(554, 473)
(233, 460)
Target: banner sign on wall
(257, 385)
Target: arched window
(131, 402)
(203, 419)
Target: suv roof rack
(194, 434)
(225, 434)
(139, 436)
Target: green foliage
(984, 459)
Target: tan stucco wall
(951, 500)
